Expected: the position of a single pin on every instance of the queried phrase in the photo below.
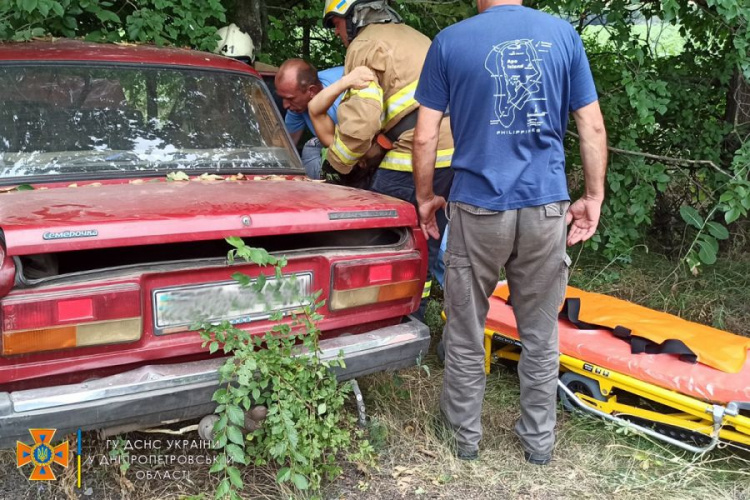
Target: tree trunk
(306, 43)
(252, 18)
(738, 100)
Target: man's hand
(584, 215)
(585, 212)
(427, 219)
(359, 78)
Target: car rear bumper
(156, 394)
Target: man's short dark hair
(307, 75)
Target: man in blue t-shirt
(510, 76)
(297, 82)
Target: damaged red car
(122, 171)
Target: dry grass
(592, 459)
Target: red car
(122, 171)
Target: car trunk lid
(103, 215)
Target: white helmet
(235, 43)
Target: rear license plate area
(178, 308)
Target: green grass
(663, 39)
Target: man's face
(339, 24)
(293, 97)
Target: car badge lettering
(363, 214)
(64, 235)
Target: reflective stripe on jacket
(396, 53)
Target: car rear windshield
(79, 120)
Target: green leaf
(717, 230)
(242, 278)
(260, 282)
(321, 408)
(235, 241)
(222, 489)
(108, 15)
(220, 396)
(220, 441)
(726, 196)
(236, 453)
(57, 8)
(29, 5)
(70, 22)
(732, 215)
(707, 254)
(235, 414)
(234, 476)
(220, 424)
(300, 481)
(24, 187)
(235, 435)
(217, 467)
(710, 241)
(691, 216)
(284, 474)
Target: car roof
(64, 49)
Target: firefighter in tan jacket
(382, 116)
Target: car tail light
(371, 281)
(48, 322)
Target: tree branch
(667, 159)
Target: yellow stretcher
(686, 403)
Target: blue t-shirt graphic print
(511, 75)
(515, 68)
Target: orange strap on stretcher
(653, 331)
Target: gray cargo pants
(530, 244)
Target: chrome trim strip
(160, 377)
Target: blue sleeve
(582, 88)
(294, 122)
(433, 90)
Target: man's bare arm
(585, 212)
(423, 163)
(318, 107)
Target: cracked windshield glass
(74, 120)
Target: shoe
(444, 433)
(467, 455)
(537, 458)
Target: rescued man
(297, 82)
